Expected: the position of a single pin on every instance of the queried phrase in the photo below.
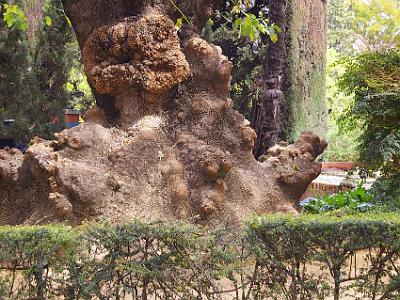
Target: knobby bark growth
(267, 112)
(164, 141)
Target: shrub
(171, 261)
(274, 257)
(34, 259)
(310, 257)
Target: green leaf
(178, 24)
(276, 28)
(274, 37)
(48, 21)
(69, 21)
(23, 26)
(238, 22)
(236, 9)
(247, 27)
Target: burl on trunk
(163, 142)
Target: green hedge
(273, 257)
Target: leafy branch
(248, 24)
(14, 17)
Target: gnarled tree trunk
(164, 141)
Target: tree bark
(267, 112)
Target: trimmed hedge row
(275, 257)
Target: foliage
(141, 260)
(376, 23)
(179, 22)
(374, 80)
(248, 24)
(340, 30)
(276, 257)
(247, 56)
(33, 91)
(341, 37)
(358, 25)
(354, 26)
(354, 200)
(30, 252)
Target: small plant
(357, 200)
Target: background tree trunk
(304, 84)
(267, 112)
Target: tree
(374, 80)
(13, 84)
(164, 141)
(357, 25)
(340, 30)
